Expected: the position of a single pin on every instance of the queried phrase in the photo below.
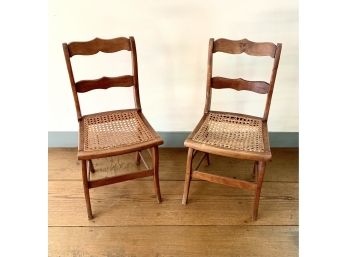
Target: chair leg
(208, 159)
(255, 173)
(187, 176)
(137, 158)
(86, 189)
(260, 172)
(155, 164)
(91, 166)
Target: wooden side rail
(224, 181)
(121, 178)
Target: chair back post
(72, 80)
(209, 75)
(273, 77)
(135, 74)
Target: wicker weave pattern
(231, 131)
(114, 129)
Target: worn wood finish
(104, 83)
(249, 152)
(128, 222)
(273, 77)
(204, 156)
(259, 180)
(188, 175)
(222, 241)
(260, 87)
(91, 166)
(72, 80)
(265, 156)
(63, 165)
(135, 73)
(244, 46)
(86, 190)
(209, 75)
(137, 158)
(86, 155)
(120, 178)
(208, 158)
(118, 151)
(99, 45)
(155, 161)
(130, 204)
(224, 180)
(141, 158)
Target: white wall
(172, 43)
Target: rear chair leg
(255, 173)
(91, 166)
(208, 159)
(86, 189)
(260, 173)
(155, 164)
(188, 175)
(137, 158)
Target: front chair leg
(86, 189)
(155, 164)
(188, 175)
(260, 173)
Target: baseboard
(171, 139)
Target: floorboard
(129, 221)
(260, 241)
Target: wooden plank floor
(129, 222)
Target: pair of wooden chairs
(125, 131)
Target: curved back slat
(260, 87)
(107, 46)
(239, 47)
(104, 83)
(99, 45)
(244, 46)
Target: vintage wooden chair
(232, 134)
(115, 132)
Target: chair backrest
(238, 47)
(107, 46)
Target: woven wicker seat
(112, 133)
(115, 132)
(231, 134)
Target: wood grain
(99, 45)
(129, 222)
(244, 46)
(260, 87)
(104, 83)
(120, 178)
(224, 180)
(133, 203)
(63, 165)
(266, 241)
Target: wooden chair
(232, 134)
(115, 132)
